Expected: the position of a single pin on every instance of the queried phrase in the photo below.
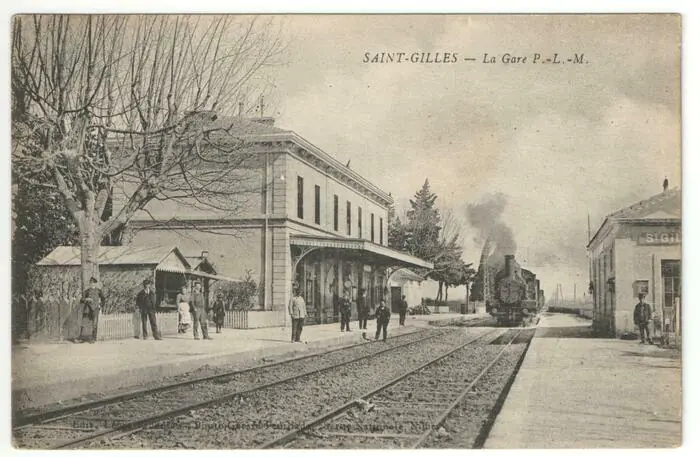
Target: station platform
(44, 374)
(577, 391)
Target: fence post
(60, 323)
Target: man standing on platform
(297, 310)
(345, 311)
(403, 307)
(362, 309)
(93, 299)
(642, 316)
(146, 304)
(383, 316)
(200, 313)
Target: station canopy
(371, 251)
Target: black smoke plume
(495, 234)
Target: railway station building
(311, 222)
(636, 250)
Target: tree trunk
(89, 251)
(446, 289)
(439, 292)
(467, 286)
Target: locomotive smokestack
(510, 264)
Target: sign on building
(659, 238)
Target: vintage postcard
(346, 231)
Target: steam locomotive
(515, 295)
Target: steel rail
(22, 421)
(441, 418)
(134, 425)
(284, 439)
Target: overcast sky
(560, 142)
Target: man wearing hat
(93, 299)
(383, 315)
(200, 312)
(642, 316)
(146, 304)
(297, 311)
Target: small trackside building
(637, 250)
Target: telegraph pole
(589, 228)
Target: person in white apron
(183, 309)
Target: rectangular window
(317, 204)
(335, 213)
(371, 227)
(300, 197)
(359, 222)
(381, 230)
(671, 275)
(348, 217)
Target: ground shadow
(659, 353)
(566, 332)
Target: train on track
(512, 295)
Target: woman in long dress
(219, 312)
(183, 309)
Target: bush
(238, 295)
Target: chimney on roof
(240, 109)
(202, 116)
(264, 120)
(665, 184)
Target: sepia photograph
(346, 231)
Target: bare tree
(448, 257)
(134, 102)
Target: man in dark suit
(383, 315)
(642, 316)
(403, 307)
(146, 303)
(345, 312)
(362, 309)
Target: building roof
(117, 255)
(245, 126)
(664, 206)
(404, 274)
(201, 264)
(262, 129)
(161, 258)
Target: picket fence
(120, 326)
(47, 320)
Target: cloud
(559, 143)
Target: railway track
(408, 410)
(124, 414)
(21, 420)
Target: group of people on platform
(297, 311)
(193, 311)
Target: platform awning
(202, 274)
(385, 254)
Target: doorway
(671, 283)
(395, 298)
